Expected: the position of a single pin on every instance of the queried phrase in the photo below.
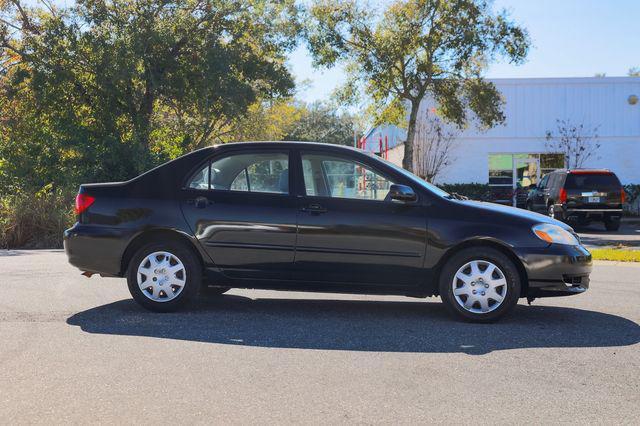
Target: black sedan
(314, 217)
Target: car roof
(284, 144)
(584, 171)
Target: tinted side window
(201, 179)
(250, 172)
(543, 182)
(337, 177)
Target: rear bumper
(582, 215)
(96, 249)
(557, 270)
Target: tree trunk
(407, 160)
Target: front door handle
(314, 209)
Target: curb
(616, 263)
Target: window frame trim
(237, 151)
(362, 162)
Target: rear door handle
(314, 209)
(200, 202)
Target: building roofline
(565, 80)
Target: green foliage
(35, 220)
(632, 192)
(103, 90)
(616, 254)
(290, 120)
(418, 48)
(321, 123)
(474, 191)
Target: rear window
(599, 181)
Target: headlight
(554, 234)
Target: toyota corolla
(315, 217)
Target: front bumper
(556, 270)
(96, 249)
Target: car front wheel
(480, 284)
(164, 277)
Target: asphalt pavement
(595, 236)
(78, 350)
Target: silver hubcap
(479, 286)
(161, 276)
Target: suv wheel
(480, 285)
(611, 224)
(164, 277)
(553, 214)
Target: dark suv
(579, 197)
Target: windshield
(423, 183)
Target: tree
(109, 88)
(265, 121)
(634, 72)
(433, 148)
(576, 143)
(291, 120)
(319, 122)
(419, 48)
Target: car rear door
(348, 231)
(240, 209)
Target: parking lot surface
(80, 350)
(595, 236)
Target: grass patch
(619, 255)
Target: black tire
(612, 225)
(487, 254)
(192, 281)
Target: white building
(382, 138)
(515, 153)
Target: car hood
(513, 212)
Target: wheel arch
(492, 243)
(152, 235)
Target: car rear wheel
(480, 284)
(164, 277)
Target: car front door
(540, 195)
(349, 231)
(240, 209)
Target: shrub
(632, 194)
(37, 220)
(475, 191)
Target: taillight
(563, 195)
(83, 202)
(623, 196)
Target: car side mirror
(402, 193)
